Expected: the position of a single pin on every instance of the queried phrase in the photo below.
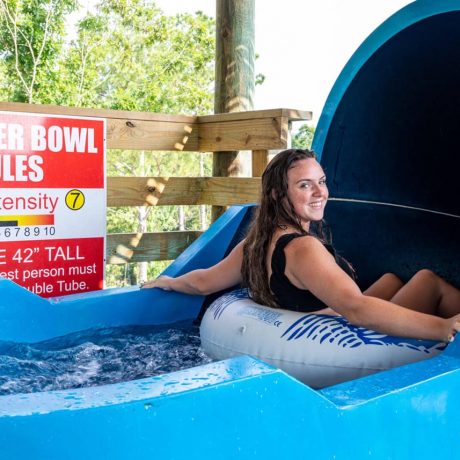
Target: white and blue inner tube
(319, 350)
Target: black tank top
(289, 296)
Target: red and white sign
(52, 202)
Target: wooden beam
(152, 135)
(259, 162)
(235, 56)
(228, 191)
(257, 134)
(291, 114)
(256, 130)
(146, 247)
(129, 130)
(151, 191)
(98, 113)
(235, 83)
(252, 130)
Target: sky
(302, 44)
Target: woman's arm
(327, 281)
(223, 275)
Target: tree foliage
(304, 137)
(31, 40)
(129, 56)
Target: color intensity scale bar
(26, 220)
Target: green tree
(31, 38)
(304, 137)
(129, 56)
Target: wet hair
(275, 211)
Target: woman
(286, 264)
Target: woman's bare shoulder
(306, 243)
(304, 248)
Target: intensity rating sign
(52, 202)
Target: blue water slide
(387, 139)
(26, 317)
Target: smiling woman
(294, 195)
(287, 261)
(309, 193)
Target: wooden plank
(151, 135)
(152, 191)
(98, 113)
(259, 162)
(228, 191)
(255, 134)
(291, 114)
(227, 164)
(146, 247)
(253, 130)
(130, 130)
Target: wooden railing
(257, 131)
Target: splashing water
(98, 357)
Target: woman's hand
(162, 282)
(225, 274)
(452, 327)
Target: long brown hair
(275, 211)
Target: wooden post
(235, 79)
(259, 162)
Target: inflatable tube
(319, 350)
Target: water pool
(99, 356)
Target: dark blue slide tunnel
(388, 139)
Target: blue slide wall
(387, 140)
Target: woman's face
(307, 190)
